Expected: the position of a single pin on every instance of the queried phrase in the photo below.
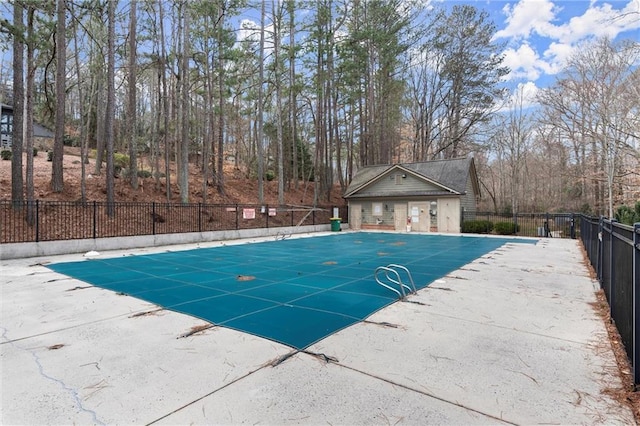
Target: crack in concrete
(70, 390)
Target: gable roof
(451, 175)
(39, 131)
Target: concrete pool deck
(511, 338)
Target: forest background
(190, 101)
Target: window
(5, 123)
(377, 209)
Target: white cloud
(557, 55)
(523, 63)
(249, 30)
(526, 93)
(535, 24)
(527, 16)
(598, 21)
(523, 96)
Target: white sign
(248, 213)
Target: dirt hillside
(238, 187)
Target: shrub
(5, 154)
(120, 161)
(477, 226)
(144, 174)
(270, 175)
(69, 140)
(506, 228)
(35, 152)
(628, 216)
(50, 156)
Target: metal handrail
(389, 271)
(404, 268)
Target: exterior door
(355, 216)
(400, 217)
(449, 215)
(419, 213)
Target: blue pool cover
(292, 291)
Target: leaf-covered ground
(239, 188)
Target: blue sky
(541, 34)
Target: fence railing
(552, 225)
(614, 252)
(61, 220)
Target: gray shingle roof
(39, 131)
(452, 173)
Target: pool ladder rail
(389, 277)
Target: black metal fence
(614, 252)
(61, 220)
(551, 225)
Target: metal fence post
(572, 223)
(612, 295)
(95, 219)
(546, 225)
(37, 221)
(199, 217)
(636, 303)
(599, 258)
(237, 219)
(153, 218)
(266, 212)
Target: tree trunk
(57, 178)
(110, 108)
(277, 23)
(260, 118)
(131, 106)
(165, 103)
(85, 119)
(293, 107)
(184, 134)
(221, 109)
(17, 190)
(31, 71)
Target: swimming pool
(293, 291)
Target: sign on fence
(248, 213)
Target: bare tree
(588, 102)
(510, 141)
(468, 76)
